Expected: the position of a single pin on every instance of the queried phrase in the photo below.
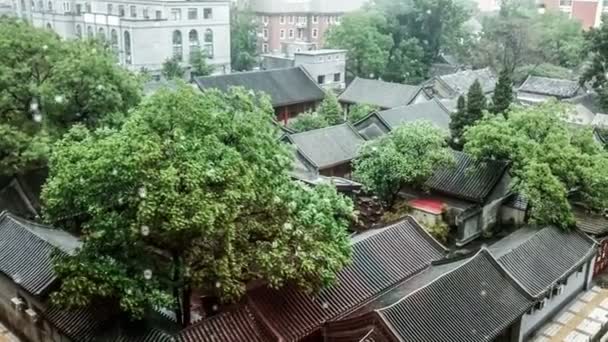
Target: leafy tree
(407, 63)
(561, 40)
(172, 69)
(192, 192)
(359, 111)
(330, 109)
(596, 40)
(542, 70)
(458, 122)
(47, 84)
(551, 161)
(503, 94)
(407, 156)
(308, 121)
(363, 35)
(200, 66)
(476, 102)
(243, 40)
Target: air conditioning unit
(33, 315)
(17, 303)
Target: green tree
(596, 44)
(308, 121)
(192, 192)
(458, 122)
(406, 156)
(172, 69)
(363, 35)
(243, 40)
(199, 65)
(359, 111)
(407, 63)
(47, 84)
(551, 161)
(503, 94)
(330, 109)
(476, 102)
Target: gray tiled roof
(461, 81)
(380, 259)
(600, 120)
(590, 223)
(468, 179)
(517, 201)
(550, 86)
(474, 302)
(432, 111)
(329, 146)
(26, 252)
(379, 93)
(80, 325)
(538, 259)
(284, 86)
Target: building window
(192, 13)
(101, 34)
(87, 7)
(176, 14)
(321, 79)
(337, 77)
(209, 43)
(207, 13)
(79, 31)
(291, 19)
(78, 9)
(121, 10)
(177, 45)
(315, 19)
(114, 41)
(303, 20)
(133, 11)
(265, 48)
(146, 13)
(159, 15)
(282, 19)
(265, 33)
(290, 33)
(127, 40)
(300, 33)
(110, 9)
(66, 7)
(90, 33)
(50, 6)
(315, 33)
(282, 34)
(265, 19)
(195, 46)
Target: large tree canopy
(596, 70)
(192, 192)
(406, 156)
(552, 162)
(243, 40)
(47, 84)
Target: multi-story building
(284, 22)
(143, 33)
(588, 12)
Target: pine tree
(458, 122)
(331, 110)
(476, 103)
(503, 95)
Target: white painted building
(144, 33)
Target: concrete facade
(143, 33)
(287, 21)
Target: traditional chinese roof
(233, 326)
(79, 324)
(469, 179)
(590, 222)
(461, 81)
(516, 201)
(476, 301)
(540, 258)
(379, 93)
(284, 86)
(329, 146)
(380, 259)
(26, 252)
(432, 206)
(558, 88)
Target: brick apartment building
(297, 22)
(588, 12)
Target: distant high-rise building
(143, 33)
(282, 23)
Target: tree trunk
(176, 293)
(186, 293)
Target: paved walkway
(581, 321)
(6, 335)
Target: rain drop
(37, 117)
(145, 230)
(45, 47)
(218, 284)
(58, 98)
(148, 274)
(100, 87)
(34, 106)
(287, 226)
(483, 293)
(141, 192)
(114, 172)
(17, 278)
(428, 11)
(215, 307)
(325, 305)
